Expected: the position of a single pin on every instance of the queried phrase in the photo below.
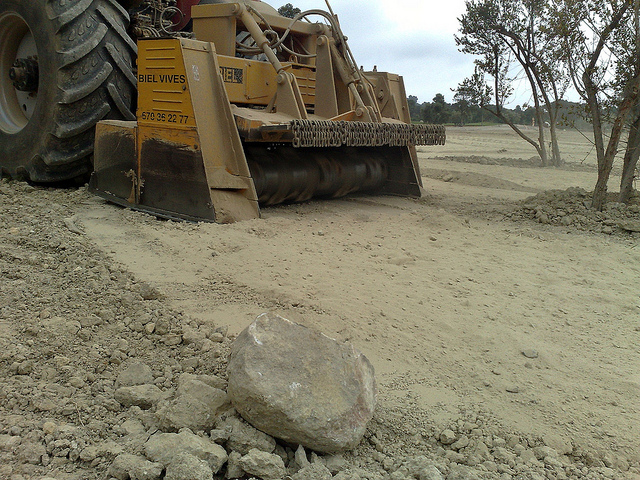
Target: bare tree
(510, 33)
(629, 41)
(598, 42)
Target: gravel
(89, 355)
(570, 208)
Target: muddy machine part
(259, 110)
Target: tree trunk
(631, 156)
(542, 148)
(600, 190)
(633, 143)
(605, 158)
(524, 51)
(606, 163)
(556, 157)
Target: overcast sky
(413, 38)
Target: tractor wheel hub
(24, 74)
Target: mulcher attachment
(219, 134)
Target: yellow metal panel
(219, 30)
(390, 95)
(187, 138)
(221, 145)
(254, 82)
(247, 81)
(306, 78)
(163, 90)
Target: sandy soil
(466, 314)
(441, 300)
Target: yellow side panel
(247, 81)
(164, 97)
(219, 29)
(163, 89)
(306, 78)
(252, 82)
(191, 163)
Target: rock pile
(329, 409)
(233, 449)
(571, 208)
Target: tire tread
(95, 80)
(68, 16)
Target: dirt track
(468, 316)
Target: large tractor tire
(64, 66)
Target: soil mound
(571, 208)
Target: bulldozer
(199, 110)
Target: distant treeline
(441, 112)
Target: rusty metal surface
(283, 174)
(115, 161)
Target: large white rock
(299, 385)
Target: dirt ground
(472, 310)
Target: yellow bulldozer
(236, 106)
